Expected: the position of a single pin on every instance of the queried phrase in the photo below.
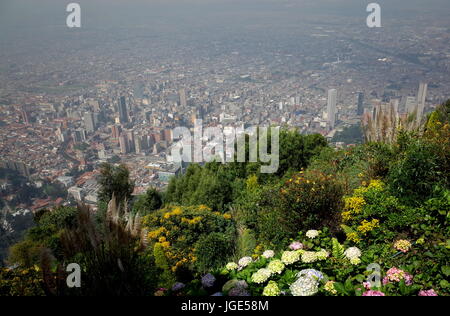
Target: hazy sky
(39, 22)
(37, 13)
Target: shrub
(212, 251)
(413, 176)
(178, 230)
(310, 200)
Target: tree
(115, 181)
(148, 202)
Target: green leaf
(446, 270)
(337, 249)
(340, 288)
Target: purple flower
(178, 286)
(428, 293)
(208, 280)
(296, 245)
(373, 293)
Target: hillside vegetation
(370, 220)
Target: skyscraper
(360, 110)
(115, 131)
(89, 122)
(123, 111)
(123, 141)
(421, 98)
(25, 116)
(331, 107)
(183, 98)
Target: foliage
(21, 282)
(350, 135)
(178, 230)
(212, 251)
(46, 233)
(310, 200)
(149, 202)
(115, 181)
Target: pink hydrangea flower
(396, 275)
(296, 245)
(373, 293)
(366, 285)
(428, 293)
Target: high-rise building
(421, 98)
(123, 141)
(138, 144)
(25, 116)
(360, 110)
(123, 111)
(130, 139)
(79, 135)
(183, 98)
(331, 107)
(89, 122)
(115, 131)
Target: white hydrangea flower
(309, 257)
(355, 261)
(290, 257)
(312, 234)
(352, 252)
(276, 266)
(304, 286)
(268, 254)
(261, 276)
(245, 261)
(317, 275)
(322, 254)
(231, 266)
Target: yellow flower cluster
(367, 226)
(176, 211)
(156, 233)
(373, 185)
(227, 216)
(193, 221)
(353, 236)
(353, 205)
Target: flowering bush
(21, 282)
(428, 293)
(314, 270)
(189, 237)
(396, 275)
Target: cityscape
(62, 118)
(115, 89)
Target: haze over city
(115, 88)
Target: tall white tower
(331, 107)
(421, 98)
